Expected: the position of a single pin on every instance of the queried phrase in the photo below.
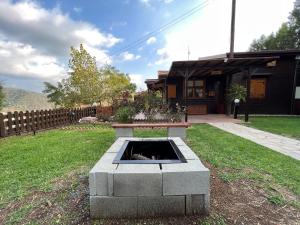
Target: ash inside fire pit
(149, 152)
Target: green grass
(240, 158)
(30, 163)
(287, 126)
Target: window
(196, 89)
(258, 88)
(172, 91)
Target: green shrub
(125, 114)
(236, 91)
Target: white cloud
(36, 42)
(139, 80)
(18, 59)
(151, 40)
(208, 32)
(126, 56)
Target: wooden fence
(23, 122)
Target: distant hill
(22, 100)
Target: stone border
(147, 190)
(174, 129)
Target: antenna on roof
(189, 53)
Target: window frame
(194, 87)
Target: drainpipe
(297, 60)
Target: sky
(36, 35)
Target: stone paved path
(284, 145)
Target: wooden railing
(23, 122)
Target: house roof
(264, 53)
(217, 66)
(222, 64)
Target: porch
(201, 85)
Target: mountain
(22, 100)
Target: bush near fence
(23, 122)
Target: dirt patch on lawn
(240, 202)
(243, 202)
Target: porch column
(165, 91)
(248, 75)
(228, 104)
(185, 99)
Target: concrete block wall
(148, 190)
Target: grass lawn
(287, 126)
(34, 167)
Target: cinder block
(178, 141)
(187, 152)
(155, 139)
(196, 204)
(177, 132)
(185, 178)
(113, 207)
(161, 206)
(100, 182)
(115, 147)
(137, 180)
(124, 132)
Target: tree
(55, 94)
(287, 37)
(116, 84)
(87, 84)
(84, 77)
(2, 97)
(62, 94)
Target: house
(272, 79)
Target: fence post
(10, 124)
(22, 125)
(17, 122)
(33, 121)
(2, 126)
(27, 120)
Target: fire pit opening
(151, 152)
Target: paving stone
(161, 206)
(185, 178)
(138, 180)
(100, 178)
(113, 207)
(275, 142)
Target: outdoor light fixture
(236, 101)
(236, 105)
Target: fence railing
(23, 122)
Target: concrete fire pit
(147, 177)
